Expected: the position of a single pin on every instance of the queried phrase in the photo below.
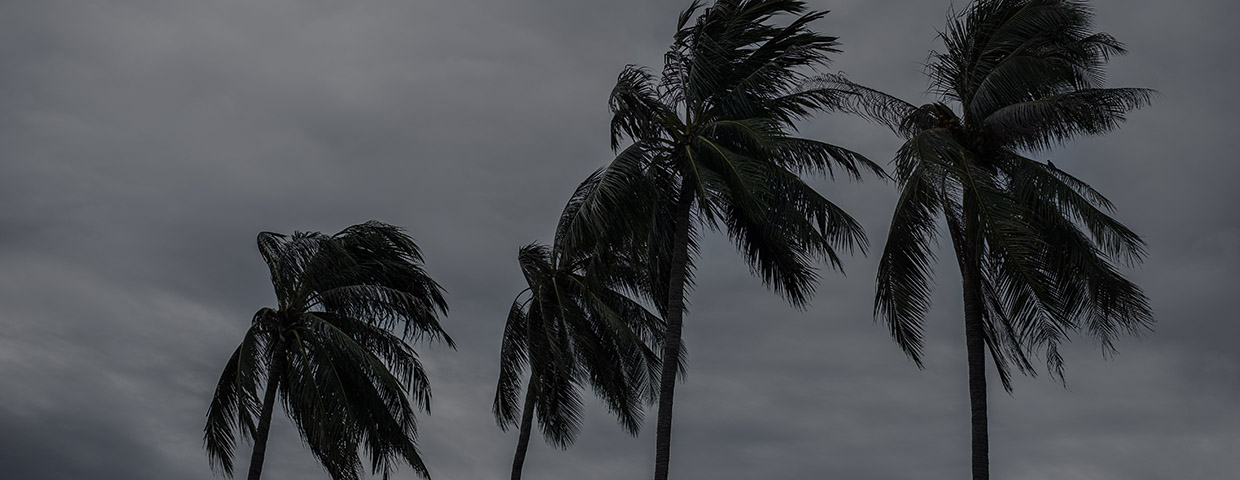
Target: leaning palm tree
(328, 351)
(713, 146)
(1037, 248)
(575, 325)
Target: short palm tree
(575, 326)
(713, 146)
(327, 350)
(1037, 248)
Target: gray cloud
(145, 143)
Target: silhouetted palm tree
(574, 326)
(713, 146)
(328, 352)
(1037, 248)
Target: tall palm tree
(574, 326)
(713, 146)
(1037, 248)
(328, 351)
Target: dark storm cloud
(143, 144)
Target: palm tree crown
(328, 352)
(1037, 248)
(713, 145)
(715, 132)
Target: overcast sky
(144, 144)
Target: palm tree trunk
(975, 347)
(264, 419)
(967, 256)
(527, 424)
(675, 322)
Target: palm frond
(637, 111)
(1056, 193)
(863, 101)
(902, 295)
(236, 404)
(513, 360)
(1094, 296)
(815, 156)
(398, 356)
(1041, 123)
(342, 397)
(287, 258)
(607, 202)
(386, 307)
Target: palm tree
(327, 350)
(713, 146)
(1037, 248)
(574, 326)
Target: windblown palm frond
(329, 354)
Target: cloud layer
(143, 145)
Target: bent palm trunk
(527, 424)
(671, 342)
(264, 419)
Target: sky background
(144, 144)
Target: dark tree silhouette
(575, 326)
(1037, 248)
(328, 352)
(714, 146)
